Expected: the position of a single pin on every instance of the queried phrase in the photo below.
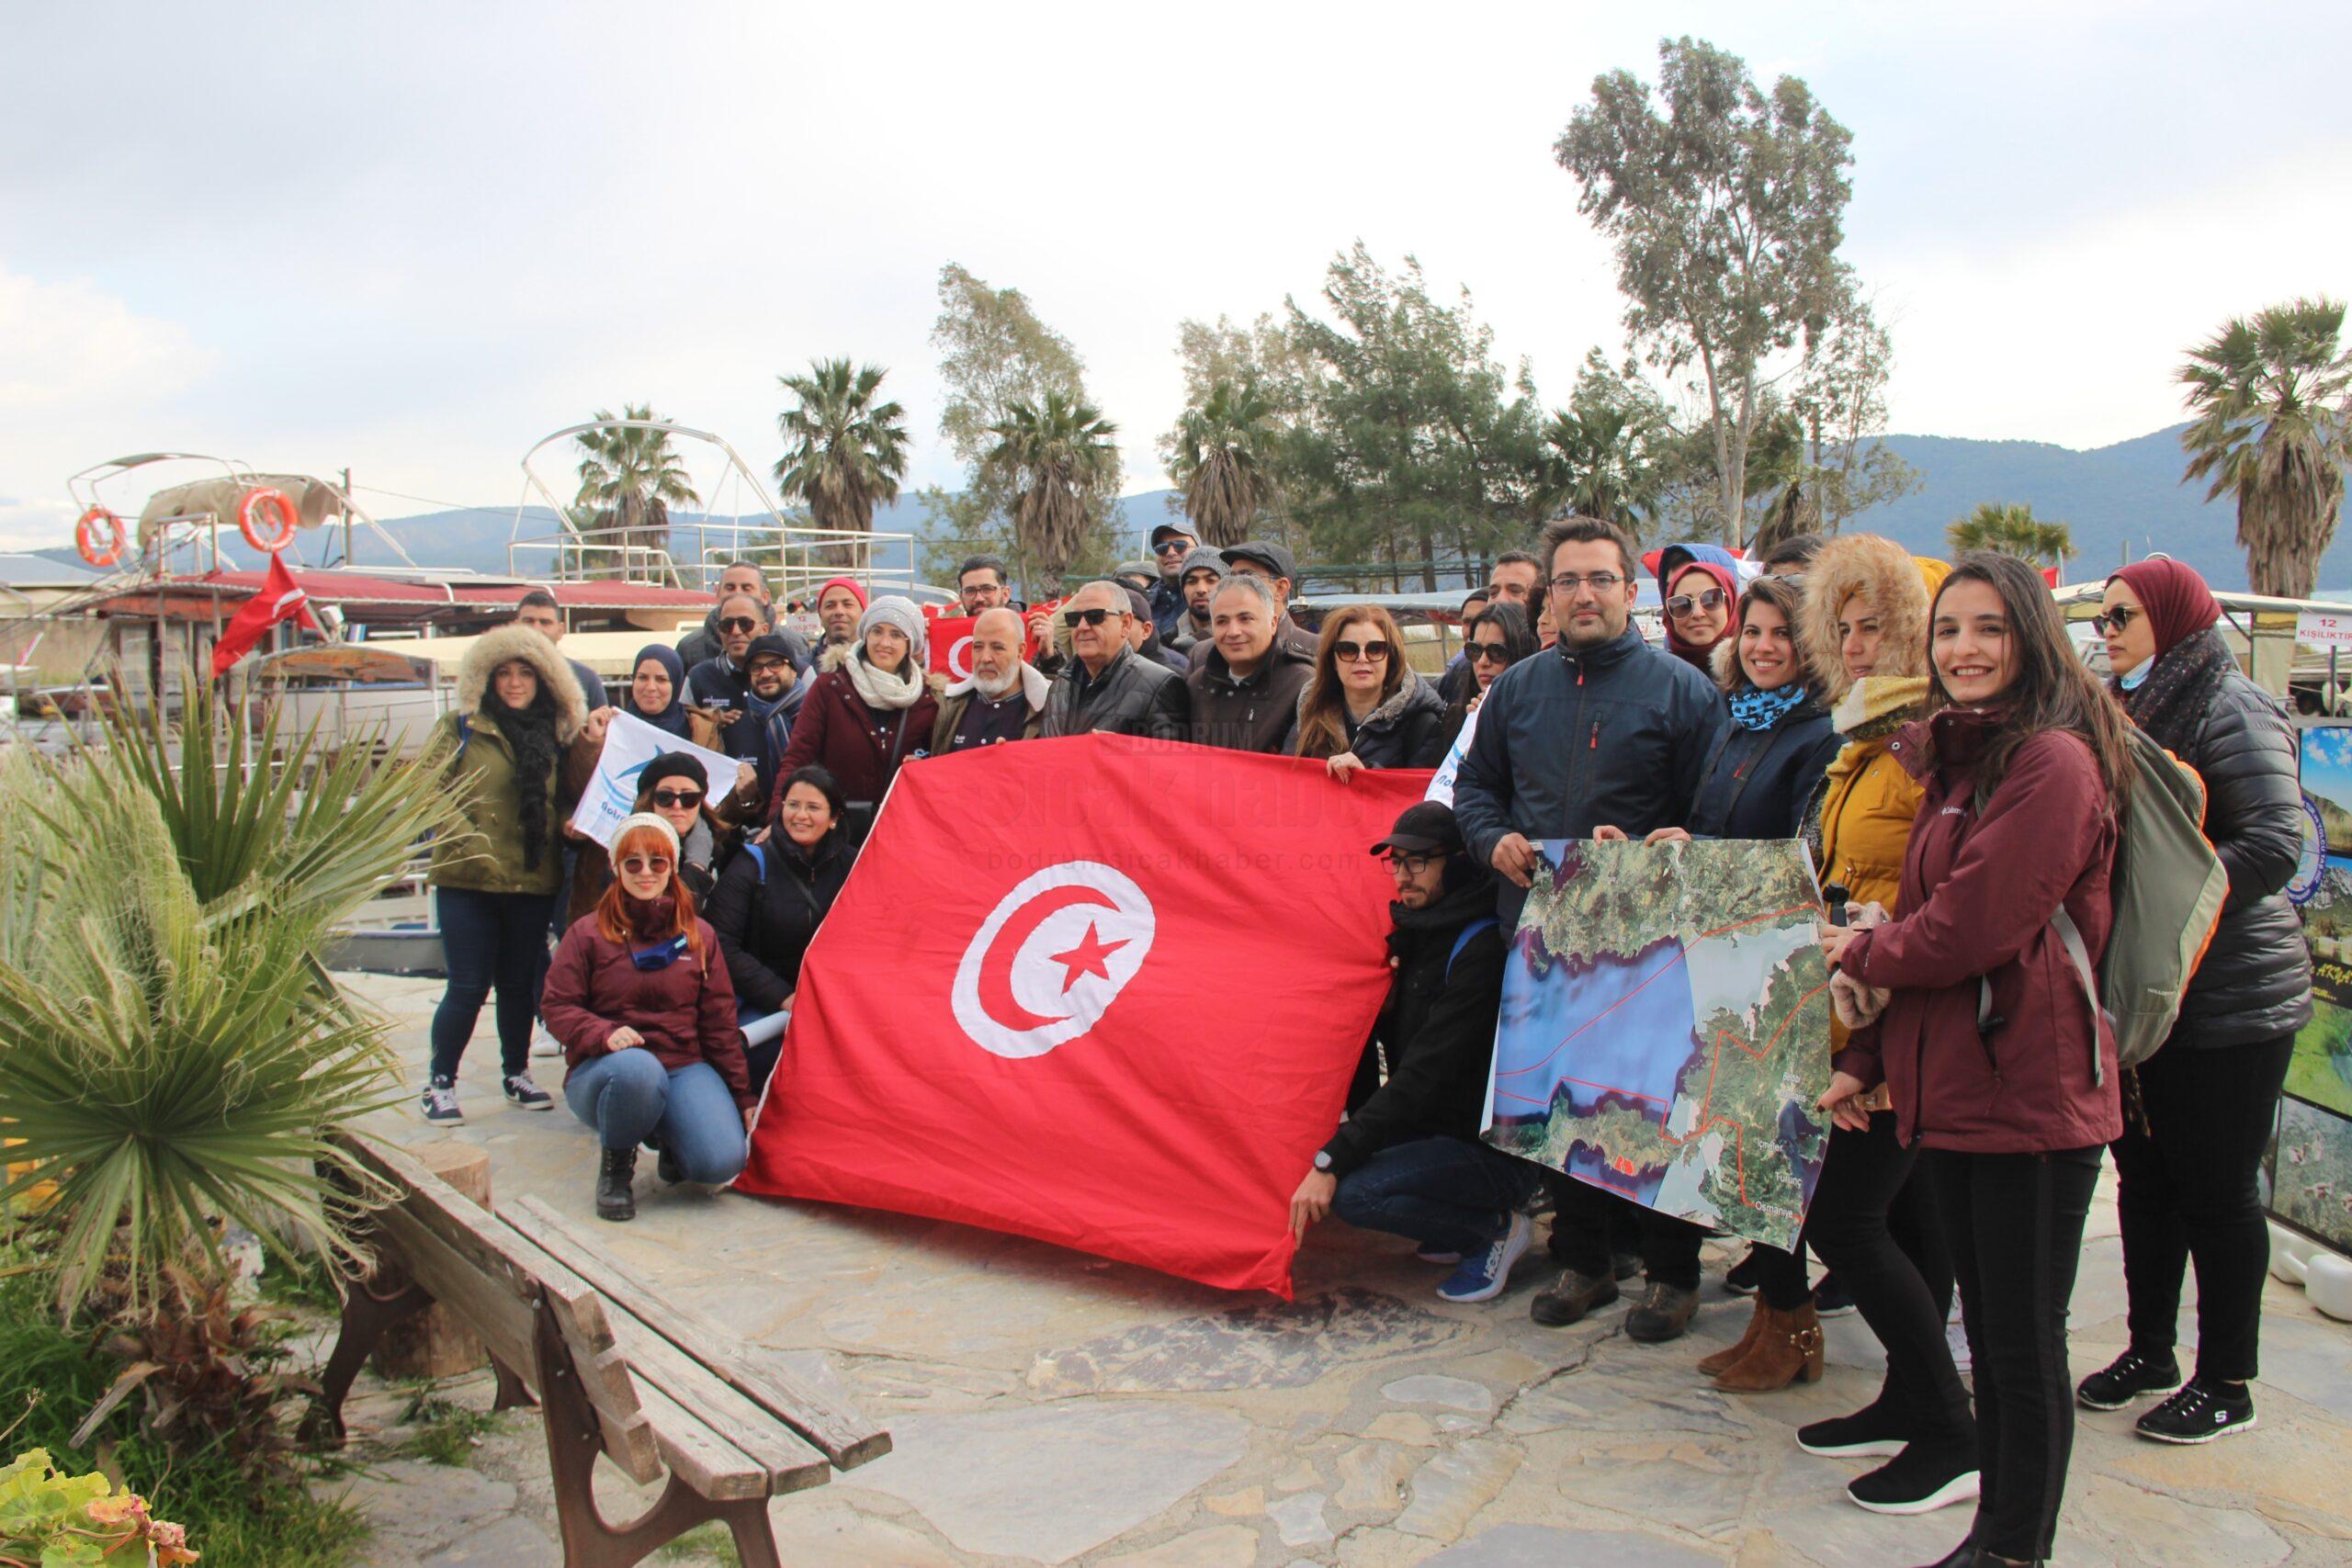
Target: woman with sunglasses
(2186, 1168)
(1699, 584)
(1496, 638)
(675, 786)
(1995, 1058)
(770, 900)
(871, 714)
(1365, 706)
(638, 996)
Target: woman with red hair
(638, 996)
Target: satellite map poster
(1665, 1029)
(2308, 1178)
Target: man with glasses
(1245, 692)
(1171, 544)
(1408, 1159)
(740, 577)
(980, 584)
(723, 682)
(1107, 687)
(1601, 729)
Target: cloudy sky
(414, 239)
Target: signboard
(2323, 628)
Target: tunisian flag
(280, 597)
(1103, 991)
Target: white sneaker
(1483, 1276)
(543, 1044)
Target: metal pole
(346, 518)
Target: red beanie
(840, 582)
(2178, 604)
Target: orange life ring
(100, 550)
(249, 513)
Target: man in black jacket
(1107, 686)
(1408, 1159)
(1600, 730)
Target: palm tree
(2272, 394)
(2013, 530)
(1054, 454)
(844, 453)
(631, 477)
(1225, 461)
(1597, 462)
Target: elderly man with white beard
(1002, 699)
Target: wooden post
(436, 1343)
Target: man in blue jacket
(1600, 729)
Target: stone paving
(1048, 1407)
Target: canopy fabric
(315, 501)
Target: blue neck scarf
(1752, 708)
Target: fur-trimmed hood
(1897, 585)
(495, 647)
(1034, 687)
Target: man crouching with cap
(1408, 1159)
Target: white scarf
(879, 688)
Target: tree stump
(436, 1343)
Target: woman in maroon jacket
(2023, 769)
(868, 715)
(639, 998)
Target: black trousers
(1874, 1220)
(2015, 1224)
(2185, 1190)
(1585, 1219)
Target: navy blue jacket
(1568, 741)
(1757, 786)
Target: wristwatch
(1322, 1159)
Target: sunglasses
(1499, 652)
(1681, 604)
(739, 624)
(645, 865)
(2114, 620)
(1173, 548)
(1075, 618)
(1350, 652)
(673, 797)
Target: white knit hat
(648, 819)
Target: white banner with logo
(629, 744)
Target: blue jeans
(1443, 1192)
(629, 1096)
(489, 940)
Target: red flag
(280, 597)
(951, 644)
(1103, 991)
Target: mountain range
(2121, 502)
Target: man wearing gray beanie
(1197, 578)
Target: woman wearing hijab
(1700, 586)
(869, 714)
(657, 693)
(638, 996)
(2187, 1166)
(495, 877)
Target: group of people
(1960, 777)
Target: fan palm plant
(631, 477)
(2272, 397)
(2013, 530)
(845, 452)
(1223, 461)
(1598, 461)
(1055, 455)
(171, 1051)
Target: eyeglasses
(1681, 604)
(1412, 865)
(2115, 620)
(645, 865)
(1173, 547)
(1371, 652)
(675, 797)
(1601, 582)
(1496, 652)
(1075, 618)
(739, 624)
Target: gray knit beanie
(891, 610)
(1199, 558)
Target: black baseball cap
(1172, 531)
(1265, 553)
(1425, 827)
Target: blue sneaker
(1483, 1275)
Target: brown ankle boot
(1723, 1360)
(1787, 1349)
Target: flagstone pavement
(1051, 1407)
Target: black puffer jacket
(764, 925)
(1758, 783)
(2256, 982)
(1438, 1028)
(1405, 731)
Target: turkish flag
(1103, 991)
(951, 644)
(280, 598)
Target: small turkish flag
(951, 644)
(1103, 991)
(280, 598)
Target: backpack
(1484, 923)
(2168, 888)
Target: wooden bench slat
(697, 1455)
(844, 1435)
(791, 1465)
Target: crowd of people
(1960, 777)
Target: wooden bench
(614, 1368)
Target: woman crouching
(640, 999)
